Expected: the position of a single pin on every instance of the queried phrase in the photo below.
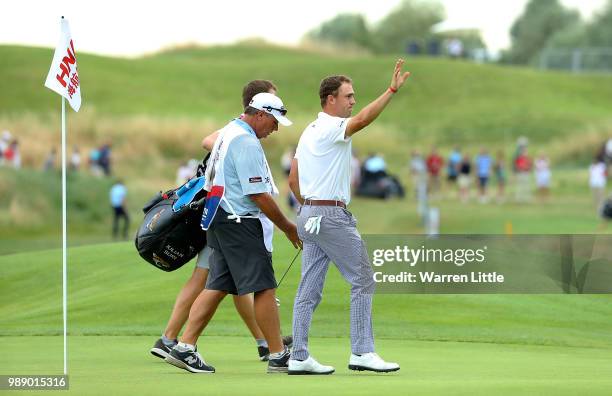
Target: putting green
(446, 344)
(103, 365)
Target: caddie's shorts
(240, 263)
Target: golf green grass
(446, 344)
(121, 365)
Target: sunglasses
(282, 110)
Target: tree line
(544, 24)
(547, 24)
(407, 28)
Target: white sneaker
(371, 362)
(308, 366)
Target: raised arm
(373, 110)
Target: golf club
(286, 271)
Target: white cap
(271, 104)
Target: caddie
(240, 184)
(197, 282)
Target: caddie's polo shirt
(324, 159)
(245, 171)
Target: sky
(133, 28)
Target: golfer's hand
(292, 235)
(398, 78)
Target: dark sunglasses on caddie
(282, 110)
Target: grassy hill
(159, 107)
(155, 110)
(444, 99)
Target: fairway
(121, 366)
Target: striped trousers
(338, 241)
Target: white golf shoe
(308, 367)
(371, 362)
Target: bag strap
(201, 170)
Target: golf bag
(379, 185)
(170, 234)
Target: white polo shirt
(324, 159)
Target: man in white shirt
(320, 179)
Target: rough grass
(155, 111)
(30, 217)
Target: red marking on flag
(65, 65)
(75, 79)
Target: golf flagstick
(64, 250)
(63, 78)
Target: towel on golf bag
(170, 234)
(187, 192)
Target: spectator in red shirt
(434, 164)
(522, 167)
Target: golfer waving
(320, 179)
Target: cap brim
(282, 120)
